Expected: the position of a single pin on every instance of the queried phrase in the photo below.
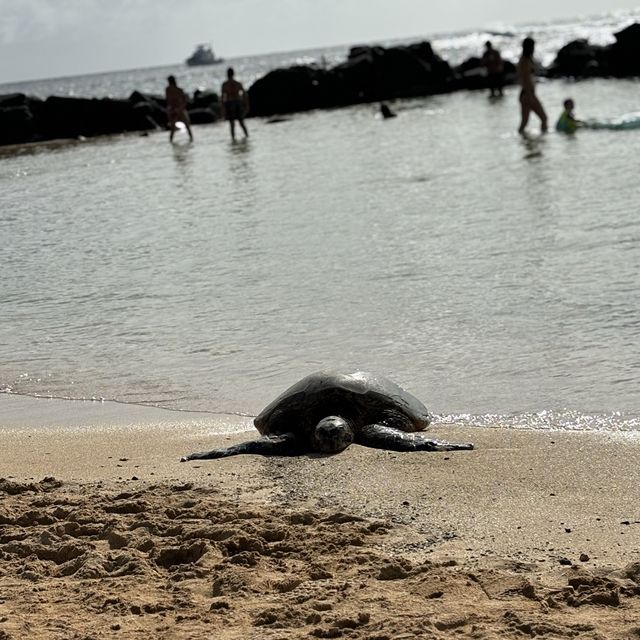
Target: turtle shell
(360, 397)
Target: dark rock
(16, 125)
(153, 107)
(147, 117)
(629, 36)
(580, 59)
(471, 74)
(13, 100)
(298, 88)
(625, 52)
(277, 120)
(376, 73)
(75, 117)
(385, 73)
(393, 571)
(472, 64)
(204, 100)
(608, 598)
(138, 96)
(369, 74)
(360, 50)
(202, 116)
(205, 107)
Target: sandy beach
(161, 289)
(104, 533)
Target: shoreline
(24, 412)
(531, 530)
(509, 476)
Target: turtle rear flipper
(380, 436)
(279, 445)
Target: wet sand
(532, 534)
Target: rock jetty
(369, 74)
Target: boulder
(580, 59)
(629, 36)
(297, 88)
(204, 100)
(204, 107)
(471, 65)
(13, 100)
(203, 116)
(74, 117)
(369, 74)
(439, 68)
(380, 74)
(144, 117)
(16, 125)
(376, 73)
(625, 52)
(154, 106)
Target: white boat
(203, 55)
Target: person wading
(235, 103)
(176, 108)
(526, 76)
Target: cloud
(37, 19)
(34, 20)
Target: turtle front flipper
(281, 445)
(380, 436)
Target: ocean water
(496, 278)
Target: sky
(52, 38)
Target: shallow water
(495, 278)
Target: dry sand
(533, 534)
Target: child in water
(567, 122)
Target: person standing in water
(526, 76)
(492, 61)
(176, 107)
(235, 103)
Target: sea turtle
(327, 411)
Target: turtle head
(332, 434)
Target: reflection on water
(488, 274)
(533, 145)
(239, 147)
(181, 152)
(240, 158)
